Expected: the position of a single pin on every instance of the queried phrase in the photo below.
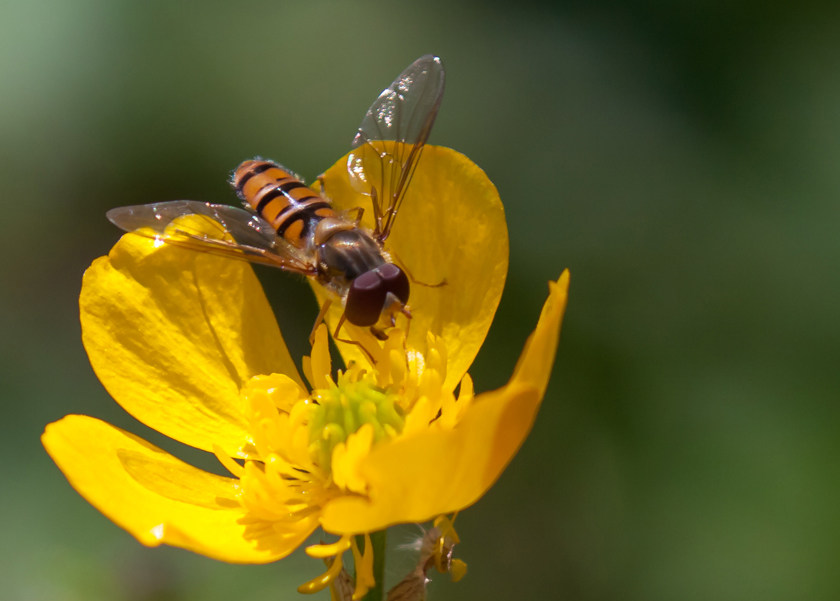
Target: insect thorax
(346, 255)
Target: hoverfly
(288, 225)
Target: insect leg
(377, 213)
(379, 334)
(408, 316)
(348, 341)
(319, 321)
(357, 220)
(443, 282)
(323, 183)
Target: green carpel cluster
(344, 408)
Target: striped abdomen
(279, 197)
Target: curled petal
(451, 227)
(160, 499)
(174, 334)
(416, 478)
(535, 363)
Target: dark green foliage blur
(682, 159)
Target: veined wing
(389, 142)
(215, 229)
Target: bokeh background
(681, 158)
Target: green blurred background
(681, 158)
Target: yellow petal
(535, 363)
(160, 499)
(451, 226)
(413, 479)
(438, 471)
(174, 334)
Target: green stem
(377, 541)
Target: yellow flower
(187, 343)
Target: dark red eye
(365, 299)
(368, 293)
(395, 280)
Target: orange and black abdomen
(279, 197)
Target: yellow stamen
(357, 555)
(325, 579)
(346, 457)
(336, 548)
(458, 569)
(228, 462)
(306, 364)
(440, 553)
(447, 527)
(443, 548)
(320, 364)
(364, 569)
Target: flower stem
(377, 541)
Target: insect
(288, 225)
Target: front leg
(355, 342)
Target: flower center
(343, 408)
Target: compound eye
(365, 299)
(396, 282)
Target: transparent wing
(391, 138)
(215, 229)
